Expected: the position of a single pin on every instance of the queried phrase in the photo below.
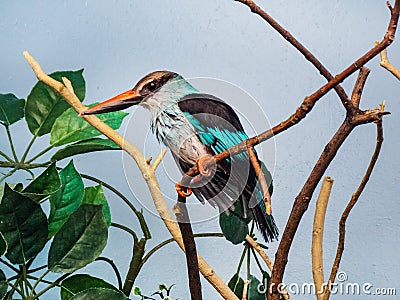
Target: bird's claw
(202, 161)
(181, 192)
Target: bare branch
(295, 43)
(317, 237)
(245, 289)
(159, 158)
(182, 217)
(350, 205)
(385, 63)
(359, 87)
(261, 178)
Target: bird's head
(144, 92)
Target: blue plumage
(193, 125)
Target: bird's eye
(152, 86)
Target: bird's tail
(265, 222)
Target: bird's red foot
(203, 161)
(181, 192)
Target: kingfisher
(195, 126)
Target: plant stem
(166, 242)
(28, 148)
(38, 281)
(9, 265)
(138, 213)
(14, 288)
(8, 174)
(256, 258)
(37, 269)
(25, 280)
(11, 143)
(50, 286)
(241, 258)
(5, 156)
(248, 263)
(126, 229)
(134, 266)
(114, 267)
(44, 151)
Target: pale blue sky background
(117, 42)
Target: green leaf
(11, 109)
(67, 199)
(23, 225)
(99, 294)
(44, 105)
(11, 185)
(137, 291)
(236, 284)
(80, 240)
(69, 127)
(268, 177)
(255, 289)
(45, 184)
(95, 195)
(233, 226)
(85, 146)
(3, 284)
(3, 246)
(81, 282)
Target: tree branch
(349, 207)
(385, 63)
(317, 237)
(261, 177)
(182, 217)
(295, 43)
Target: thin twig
(317, 237)
(359, 87)
(159, 158)
(350, 205)
(295, 43)
(260, 251)
(245, 289)
(261, 178)
(385, 63)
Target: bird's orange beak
(122, 101)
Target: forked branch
(349, 207)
